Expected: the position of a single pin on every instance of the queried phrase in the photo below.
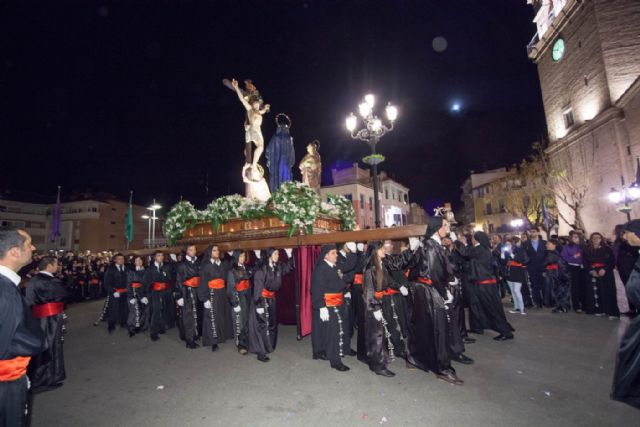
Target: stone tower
(588, 58)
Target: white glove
(237, 309)
(173, 257)
(347, 295)
(324, 314)
(360, 247)
(404, 291)
(132, 301)
(288, 251)
(454, 282)
(414, 242)
(116, 294)
(377, 315)
(352, 246)
(449, 298)
(144, 300)
(257, 252)
(207, 304)
(452, 236)
(260, 310)
(181, 302)
(230, 253)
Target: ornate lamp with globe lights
(373, 130)
(625, 197)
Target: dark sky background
(119, 96)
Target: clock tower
(588, 58)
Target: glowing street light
(371, 133)
(517, 223)
(153, 208)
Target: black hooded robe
(347, 264)
(45, 295)
(239, 295)
(489, 307)
(187, 285)
(327, 338)
(557, 277)
(216, 322)
(138, 319)
(600, 292)
(263, 328)
(115, 280)
(157, 280)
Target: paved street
(556, 372)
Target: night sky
(119, 96)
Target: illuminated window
(567, 114)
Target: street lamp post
(372, 132)
(147, 217)
(516, 224)
(625, 197)
(153, 208)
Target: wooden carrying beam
(393, 233)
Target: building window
(567, 114)
(370, 203)
(488, 208)
(362, 201)
(491, 229)
(348, 196)
(501, 206)
(386, 193)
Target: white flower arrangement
(181, 216)
(297, 205)
(345, 210)
(222, 210)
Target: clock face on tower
(558, 50)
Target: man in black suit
(20, 334)
(537, 250)
(115, 283)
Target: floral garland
(222, 210)
(181, 216)
(297, 205)
(345, 211)
(253, 209)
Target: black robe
(190, 312)
(428, 349)
(138, 319)
(163, 306)
(20, 336)
(47, 368)
(379, 345)
(626, 377)
(489, 307)
(242, 299)
(347, 263)
(217, 325)
(263, 328)
(396, 307)
(328, 338)
(556, 276)
(455, 309)
(600, 292)
(118, 307)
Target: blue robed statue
(280, 153)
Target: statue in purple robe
(280, 153)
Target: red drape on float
(305, 259)
(286, 297)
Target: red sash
(516, 264)
(216, 284)
(81, 282)
(159, 286)
(358, 279)
(120, 290)
(487, 282)
(47, 310)
(242, 285)
(194, 282)
(333, 300)
(136, 285)
(94, 282)
(552, 267)
(390, 291)
(598, 265)
(12, 369)
(424, 280)
(268, 294)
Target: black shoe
(450, 377)
(214, 347)
(351, 352)
(468, 340)
(320, 357)
(192, 345)
(385, 373)
(341, 367)
(110, 330)
(476, 331)
(162, 332)
(263, 358)
(461, 358)
(555, 310)
(503, 337)
(131, 334)
(155, 337)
